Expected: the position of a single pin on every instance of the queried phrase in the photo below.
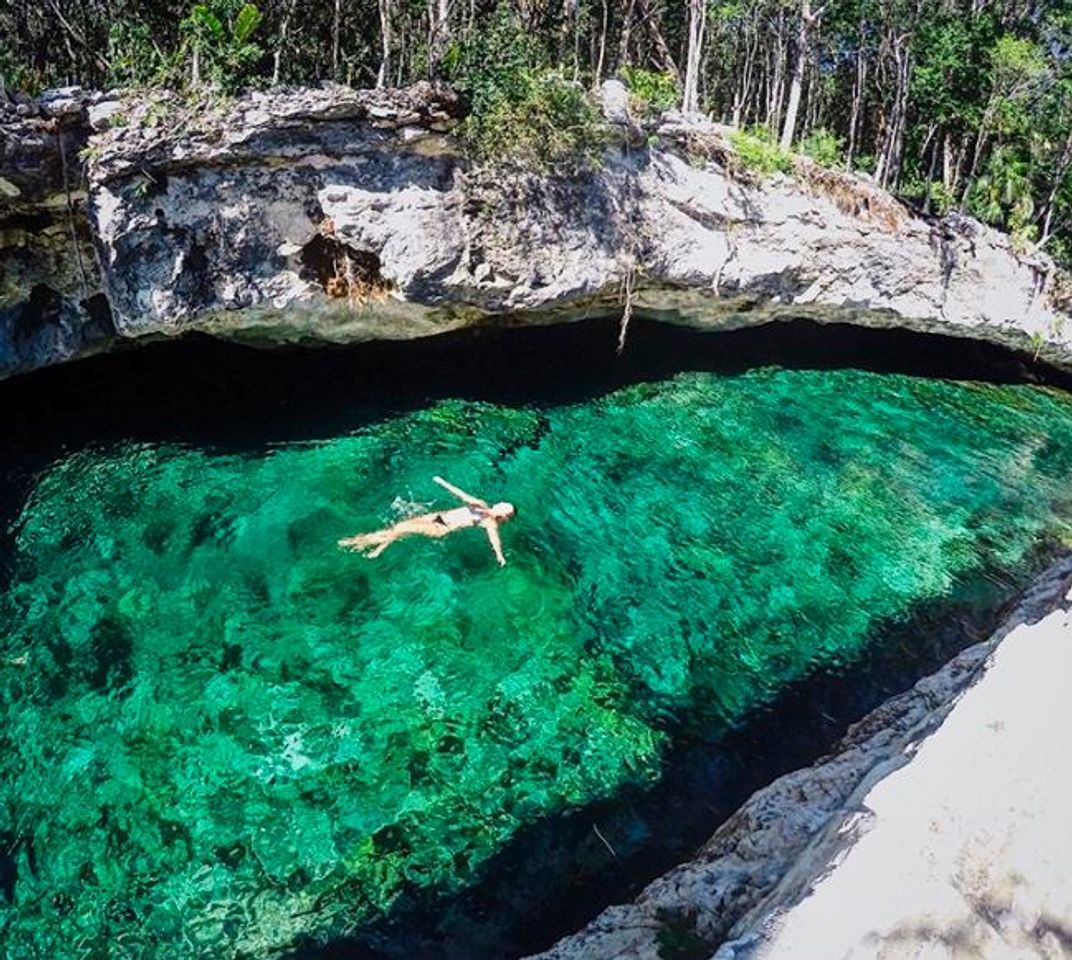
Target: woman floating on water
(475, 513)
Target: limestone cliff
(337, 215)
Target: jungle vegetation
(953, 104)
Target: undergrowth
(650, 92)
(756, 151)
(521, 109)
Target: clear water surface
(221, 735)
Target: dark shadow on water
(558, 873)
(197, 390)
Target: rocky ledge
(743, 893)
(334, 215)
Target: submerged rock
(336, 215)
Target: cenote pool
(224, 737)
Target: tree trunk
(697, 22)
(796, 82)
(666, 58)
(977, 153)
(893, 170)
(384, 76)
(1058, 179)
(933, 167)
(813, 104)
(576, 42)
(284, 26)
(626, 35)
(859, 87)
(948, 166)
(781, 55)
(744, 88)
(336, 26)
(888, 166)
(597, 73)
(438, 34)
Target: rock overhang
(207, 219)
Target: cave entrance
(344, 272)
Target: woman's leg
(364, 540)
(384, 544)
(425, 526)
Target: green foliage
(492, 65)
(980, 76)
(1018, 68)
(757, 151)
(1016, 61)
(949, 58)
(1061, 250)
(1002, 195)
(552, 124)
(219, 35)
(90, 152)
(16, 75)
(864, 163)
(940, 199)
(134, 59)
(520, 109)
(651, 92)
(823, 146)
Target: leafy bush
(650, 92)
(218, 34)
(552, 123)
(1061, 251)
(942, 199)
(134, 59)
(758, 151)
(864, 163)
(921, 192)
(16, 75)
(1002, 196)
(519, 108)
(823, 146)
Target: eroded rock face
(337, 215)
(51, 306)
(278, 217)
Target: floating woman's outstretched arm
(460, 494)
(492, 530)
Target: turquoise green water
(220, 733)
